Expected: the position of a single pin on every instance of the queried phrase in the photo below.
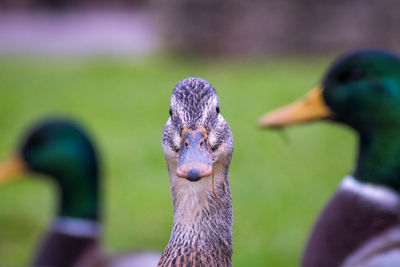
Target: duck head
(60, 150)
(196, 136)
(361, 89)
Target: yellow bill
(309, 108)
(11, 169)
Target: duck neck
(79, 200)
(78, 209)
(75, 232)
(202, 219)
(379, 157)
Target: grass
(278, 188)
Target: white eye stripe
(177, 140)
(212, 138)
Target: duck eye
(38, 140)
(170, 111)
(217, 110)
(356, 74)
(352, 75)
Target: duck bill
(309, 108)
(11, 169)
(195, 157)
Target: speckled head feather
(194, 102)
(191, 103)
(202, 229)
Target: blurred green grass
(278, 188)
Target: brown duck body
(64, 250)
(60, 249)
(358, 226)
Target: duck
(360, 224)
(60, 150)
(197, 144)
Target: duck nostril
(186, 144)
(201, 143)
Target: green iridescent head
(362, 90)
(60, 150)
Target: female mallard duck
(197, 144)
(61, 150)
(360, 226)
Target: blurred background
(113, 66)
